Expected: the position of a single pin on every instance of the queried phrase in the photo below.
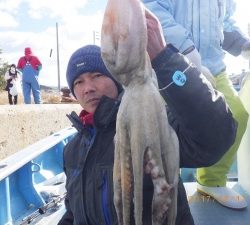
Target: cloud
(54, 8)
(10, 5)
(7, 20)
(8, 12)
(33, 23)
(37, 20)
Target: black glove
(245, 50)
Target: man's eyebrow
(77, 79)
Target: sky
(32, 23)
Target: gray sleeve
(233, 42)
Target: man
(89, 156)
(30, 67)
(202, 30)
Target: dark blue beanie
(87, 59)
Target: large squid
(144, 141)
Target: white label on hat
(80, 64)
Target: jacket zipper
(82, 184)
(105, 207)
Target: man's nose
(89, 86)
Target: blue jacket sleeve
(174, 32)
(199, 114)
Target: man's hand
(156, 42)
(206, 72)
(245, 50)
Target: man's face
(90, 87)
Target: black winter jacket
(198, 113)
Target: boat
(32, 183)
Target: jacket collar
(105, 114)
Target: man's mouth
(92, 100)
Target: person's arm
(39, 68)
(174, 32)
(36, 63)
(21, 63)
(235, 42)
(7, 76)
(39, 64)
(198, 113)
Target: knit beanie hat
(87, 59)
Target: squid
(145, 143)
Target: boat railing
(32, 177)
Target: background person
(202, 30)
(30, 67)
(11, 76)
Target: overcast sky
(32, 23)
